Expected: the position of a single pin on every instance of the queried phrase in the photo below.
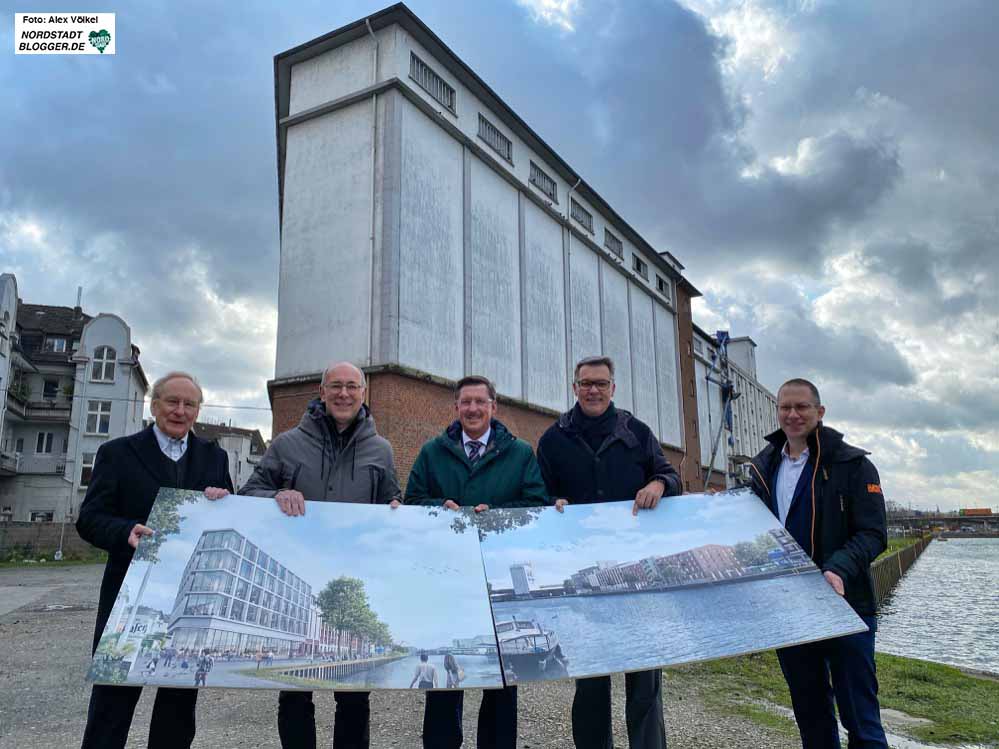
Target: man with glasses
(476, 463)
(127, 475)
(828, 496)
(596, 452)
(335, 455)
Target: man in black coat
(598, 453)
(127, 475)
(828, 496)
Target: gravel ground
(46, 623)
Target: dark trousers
(297, 720)
(842, 668)
(110, 716)
(643, 711)
(497, 727)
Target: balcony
(49, 410)
(9, 463)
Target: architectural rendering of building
(70, 383)
(451, 205)
(234, 596)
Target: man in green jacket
(475, 463)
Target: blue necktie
(473, 451)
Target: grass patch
(897, 544)
(69, 560)
(961, 706)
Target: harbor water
(480, 671)
(946, 607)
(606, 634)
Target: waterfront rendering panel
(597, 590)
(233, 593)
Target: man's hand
(450, 504)
(214, 492)
(291, 502)
(560, 504)
(835, 581)
(481, 507)
(137, 532)
(395, 503)
(648, 496)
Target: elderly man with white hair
(333, 455)
(128, 473)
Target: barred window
(430, 82)
(613, 244)
(543, 182)
(640, 267)
(495, 139)
(583, 216)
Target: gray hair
(340, 363)
(594, 361)
(162, 381)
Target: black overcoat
(128, 472)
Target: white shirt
(484, 439)
(173, 449)
(788, 474)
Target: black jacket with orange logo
(849, 528)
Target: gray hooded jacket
(306, 458)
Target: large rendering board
(232, 593)
(596, 590)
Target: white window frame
(97, 410)
(105, 358)
(46, 441)
(58, 345)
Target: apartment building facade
(72, 382)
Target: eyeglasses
(477, 402)
(172, 403)
(352, 388)
(801, 408)
(601, 385)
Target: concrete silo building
(427, 232)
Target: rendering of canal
(946, 607)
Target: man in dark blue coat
(127, 475)
(828, 496)
(598, 453)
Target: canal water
(480, 671)
(946, 607)
(607, 634)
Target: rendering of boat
(528, 649)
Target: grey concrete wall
(584, 299)
(617, 333)
(545, 324)
(667, 367)
(492, 307)
(643, 353)
(325, 276)
(431, 248)
(37, 539)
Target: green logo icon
(100, 39)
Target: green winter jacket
(507, 474)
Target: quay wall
(888, 571)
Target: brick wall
(410, 409)
(690, 472)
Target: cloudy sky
(826, 171)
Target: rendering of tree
(495, 521)
(756, 552)
(344, 606)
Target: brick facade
(410, 409)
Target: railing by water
(335, 671)
(888, 571)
